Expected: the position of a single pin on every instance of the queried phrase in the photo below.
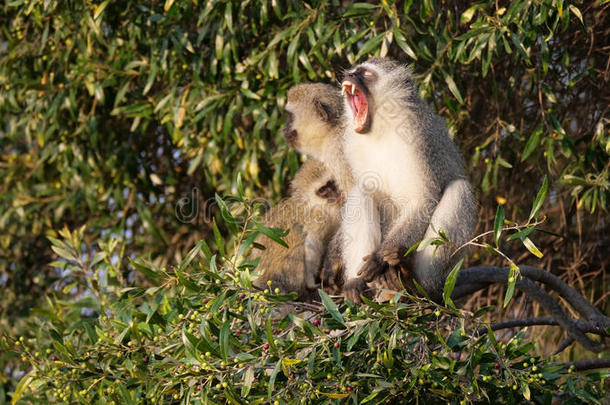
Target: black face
(330, 192)
(290, 134)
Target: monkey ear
(324, 111)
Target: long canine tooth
(353, 88)
(343, 89)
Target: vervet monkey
(313, 127)
(311, 215)
(410, 181)
(315, 111)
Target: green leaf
(402, 43)
(223, 340)
(248, 380)
(412, 248)
(498, 224)
(190, 256)
(331, 307)
(450, 284)
(522, 234)
(228, 218)
(274, 234)
(454, 89)
(220, 244)
(272, 378)
(577, 13)
(532, 248)
(510, 290)
(539, 199)
(99, 9)
(468, 14)
(532, 144)
(369, 45)
(359, 9)
(24, 383)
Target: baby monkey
(311, 215)
(314, 128)
(313, 212)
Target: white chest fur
(386, 163)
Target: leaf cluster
(199, 333)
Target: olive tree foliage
(114, 113)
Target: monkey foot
(354, 288)
(389, 279)
(332, 271)
(372, 268)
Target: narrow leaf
(331, 307)
(539, 199)
(223, 340)
(450, 284)
(532, 248)
(512, 280)
(454, 89)
(498, 224)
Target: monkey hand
(391, 257)
(353, 289)
(383, 268)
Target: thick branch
(589, 327)
(575, 299)
(470, 280)
(589, 364)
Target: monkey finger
(390, 280)
(391, 257)
(371, 268)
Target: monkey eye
(367, 74)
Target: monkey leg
(332, 272)
(405, 231)
(360, 230)
(455, 216)
(313, 258)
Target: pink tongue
(357, 102)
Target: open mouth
(360, 105)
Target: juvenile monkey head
(370, 87)
(314, 111)
(315, 185)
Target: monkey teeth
(359, 103)
(348, 87)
